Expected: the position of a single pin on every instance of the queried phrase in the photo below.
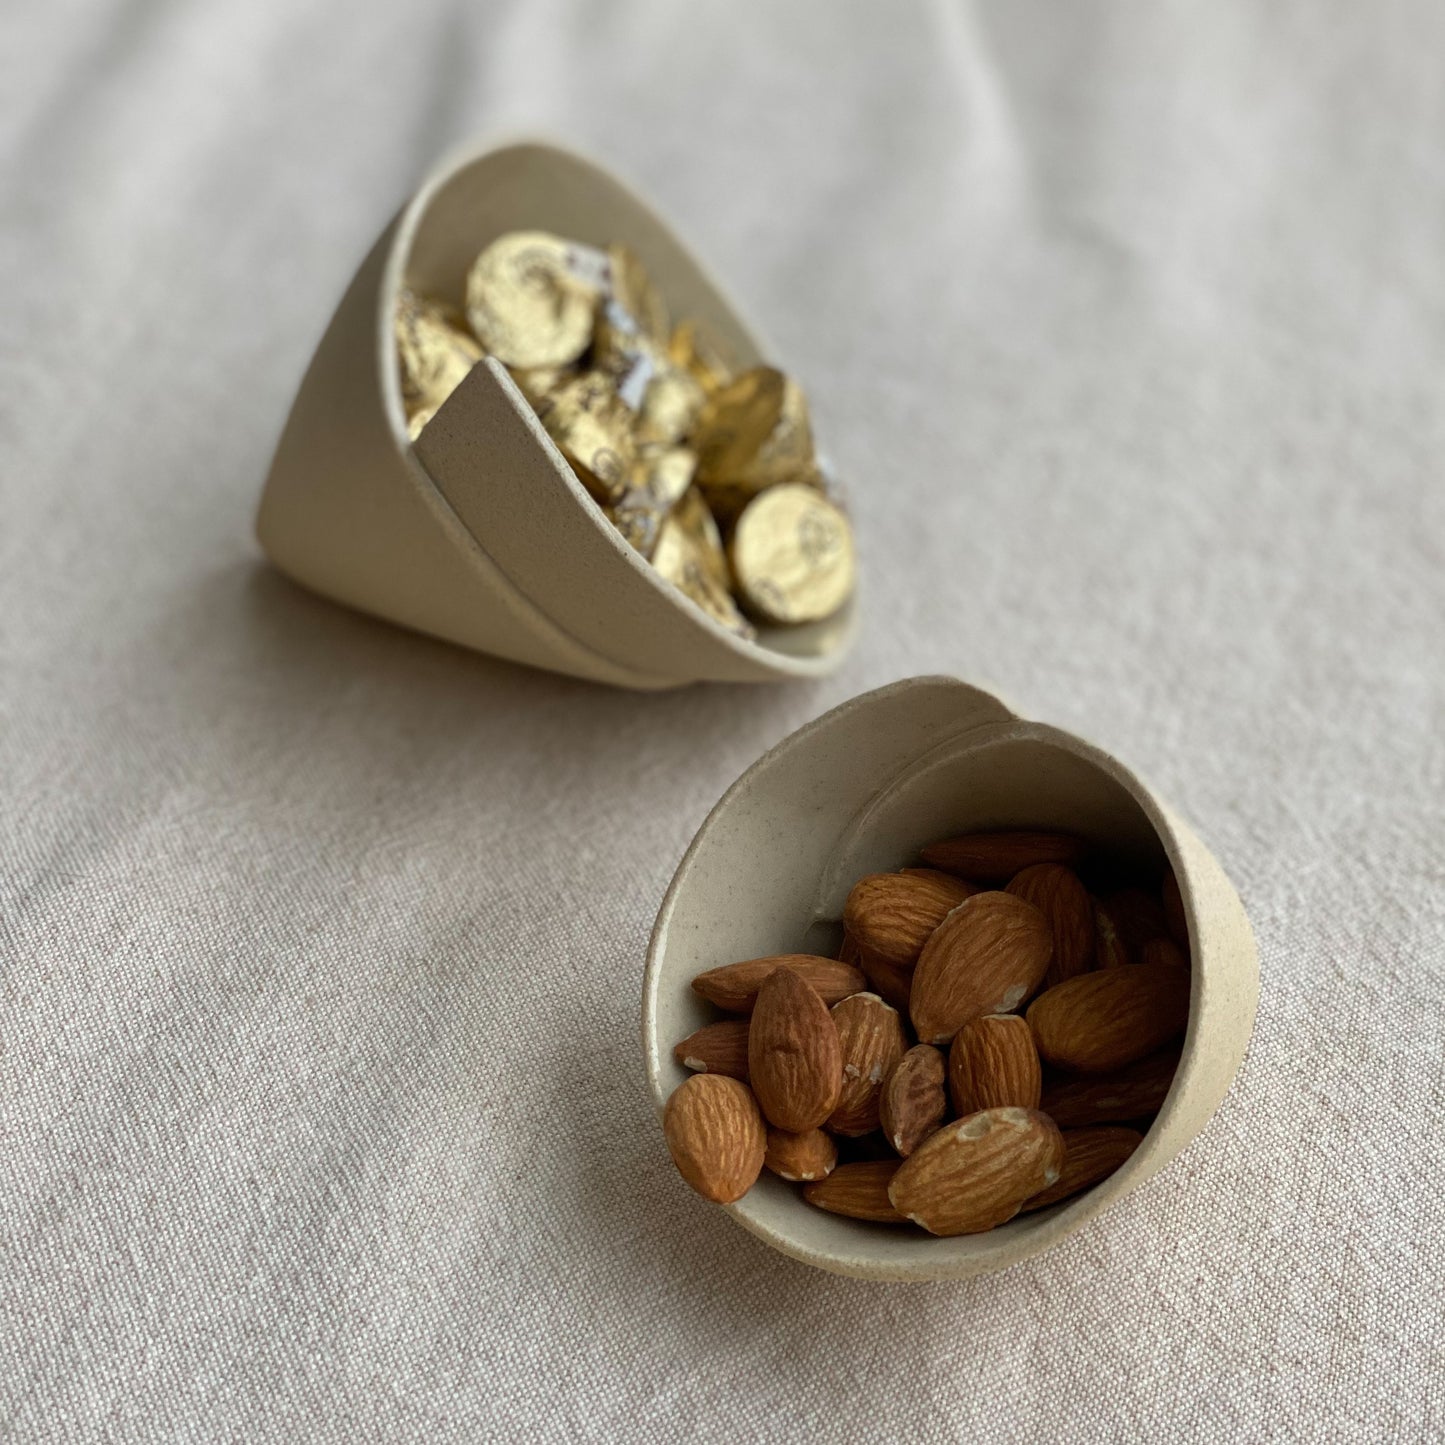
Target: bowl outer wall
(481, 534)
(848, 757)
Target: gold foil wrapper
(659, 482)
(736, 421)
(792, 555)
(433, 349)
(696, 519)
(532, 299)
(593, 430)
(540, 382)
(671, 406)
(752, 435)
(632, 290)
(692, 350)
(665, 437)
(665, 473)
(626, 358)
(690, 555)
(786, 453)
(418, 420)
(638, 517)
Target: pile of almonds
(993, 1038)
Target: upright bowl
(859, 791)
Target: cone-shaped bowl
(480, 533)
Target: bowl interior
(533, 186)
(771, 868)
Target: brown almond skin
(858, 1190)
(1131, 1093)
(1057, 893)
(1139, 916)
(734, 987)
(1090, 1156)
(871, 1036)
(1163, 953)
(1109, 949)
(987, 957)
(720, 1048)
(893, 985)
(1100, 1021)
(795, 1059)
(715, 1135)
(912, 1102)
(993, 1063)
(976, 1172)
(1174, 918)
(939, 876)
(800, 1158)
(996, 857)
(891, 915)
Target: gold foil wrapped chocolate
(659, 481)
(593, 430)
(532, 299)
(633, 294)
(736, 421)
(708, 473)
(689, 553)
(693, 351)
(792, 555)
(434, 349)
(670, 406)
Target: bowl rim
(843, 625)
(993, 1250)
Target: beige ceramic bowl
(480, 533)
(859, 791)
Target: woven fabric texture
(323, 1114)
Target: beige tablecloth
(323, 1114)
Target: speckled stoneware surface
(860, 790)
(480, 533)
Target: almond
(1174, 917)
(1139, 916)
(1134, 1092)
(795, 1060)
(892, 914)
(800, 1157)
(976, 1172)
(939, 876)
(912, 1103)
(871, 1036)
(1101, 1021)
(735, 986)
(1090, 1155)
(993, 1064)
(716, 1136)
(720, 1048)
(996, 857)
(987, 957)
(1057, 893)
(858, 1190)
(1109, 950)
(893, 985)
(1163, 953)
